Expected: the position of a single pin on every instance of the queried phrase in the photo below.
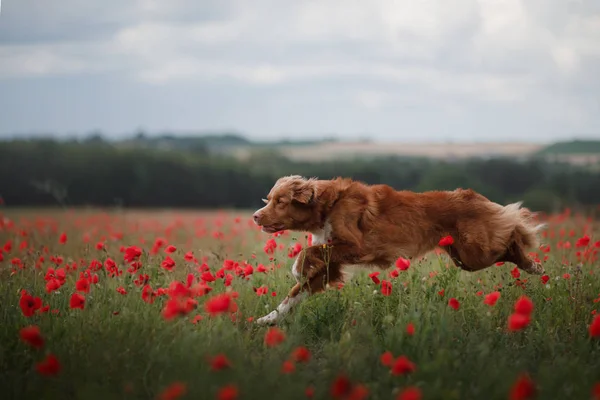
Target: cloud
(456, 56)
(150, 36)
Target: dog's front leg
(306, 261)
(282, 309)
(314, 268)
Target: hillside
(579, 152)
(214, 142)
(572, 147)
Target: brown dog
(372, 225)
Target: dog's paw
(535, 269)
(269, 319)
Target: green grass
(459, 354)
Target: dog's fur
(372, 225)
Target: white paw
(268, 319)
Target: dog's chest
(323, 235)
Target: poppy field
(162, 305)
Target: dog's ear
(303, 191)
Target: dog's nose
(256, 216)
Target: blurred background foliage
(205, 172)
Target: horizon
(124, 136)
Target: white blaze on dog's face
(289, 205)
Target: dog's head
(290, 205)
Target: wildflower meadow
(161, 305)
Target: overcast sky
(424, 70)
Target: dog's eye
(265, 201)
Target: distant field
(325, 151)
(160, 305)
(447, 151)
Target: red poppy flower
(402, 264)
(374, 278)
(174, 391)
(248, 270)
(387, 359)
(410, 329)
(178, 307)
(82, 285)
(32, 336)
(410, 393)
(261, 291)
(596, 391)
(228, 392)
(274, 337)
(148, 294)
(544, 279)
(446, 241)
(77, 301)
(595, 327)
(309, 392)
(168, 264)
(29, 304)
(402, 365)
(219, 362)
(132, 254)
(386, 288)
(170, 249)
(515, 273)
(270, 246)
(301, 354)
(218, 304)
(294, 251)
(340, 387)
(358, 392)
(523, 388)
(524, 305)
(491, 299)
(207, 277)
(517, 322)
(63, 238)
(582, 241)
(454, 303)
(288, 367)
(48, 366)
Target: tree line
(48, 173)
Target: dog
(356, 224)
